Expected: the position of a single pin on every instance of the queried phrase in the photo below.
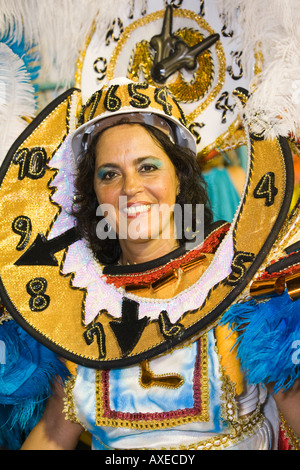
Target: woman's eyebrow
(136, 161)
(148, 157)
(107, 165)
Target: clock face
(52, 285)
(184, 46)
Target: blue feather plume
(27, 371)
(269, 339)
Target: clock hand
(183, 57)
(164, 43)
(41, 252)
(129, 329)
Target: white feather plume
(273, 29)
(59, 28)
(16, 98)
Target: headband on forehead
(139, 103)
(132, 118)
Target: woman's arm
(54, 432)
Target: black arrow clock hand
(41, 252)
(129, 330)
(183, 57)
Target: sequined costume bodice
(183, 399)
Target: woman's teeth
(132, 210)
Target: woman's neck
(136, 253)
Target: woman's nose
(132, 184)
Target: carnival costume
(158, 355)
(154, 355)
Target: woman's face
(136, 184)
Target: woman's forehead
(126, 130)
(131, 139)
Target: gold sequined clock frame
(44, 301)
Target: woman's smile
(133, 210)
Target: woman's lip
(138, 203)
(136, 208)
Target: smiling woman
(136, 164)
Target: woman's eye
(148, 167)
(106, 175)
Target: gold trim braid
(69, 405)
(289, 433)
